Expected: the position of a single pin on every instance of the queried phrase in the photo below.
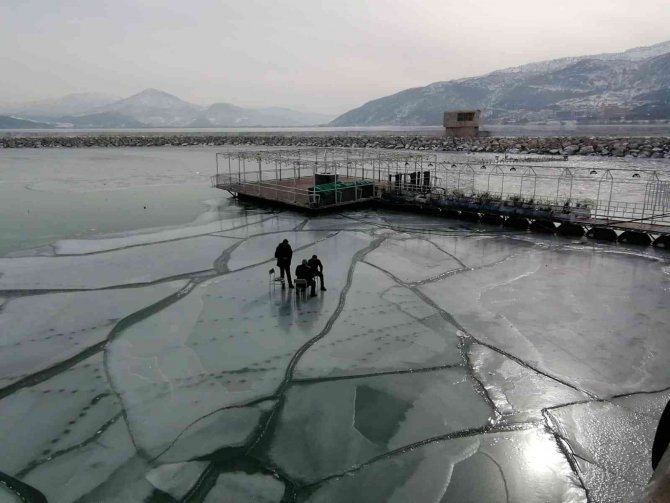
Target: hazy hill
(72, 104)
(152, 107)
(634, 84)
(227, 115)
(108, 120)
(7, 122)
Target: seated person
(317, 267)
(303, 271)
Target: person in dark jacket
(284, 254)
(303, 271)
(317, 266)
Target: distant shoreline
(502, 130)
(656, 147)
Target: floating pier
(604, 203)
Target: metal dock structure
(545, 194)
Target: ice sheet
(43, 421)
(479, 251)
(383, 327)
(39, 331)
(330, 223)
(498, 467)
(79, 471)
(605, 487)
(369, 378)
(140, 264)
(227, 343)
(225, 428)
(85, 246)
(240, 487)
(329, 427)
(269, 225)
(7, 496)
(413, 260)
(127, 484)
(515, 389)
(589, 319)
(262, 248)
(614, 436)
(177, 478)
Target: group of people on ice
(308, 270)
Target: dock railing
(596, 192)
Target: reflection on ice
(366, 417)
(515, 389)
(497, 467)
(613, 440)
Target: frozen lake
(144, 356)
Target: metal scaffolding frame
(289, 175)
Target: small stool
(300, 287)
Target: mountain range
(631, 85)
(148, 108)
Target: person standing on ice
(284, 254)
(316, 264)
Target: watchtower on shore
(462, 123)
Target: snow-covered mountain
(634, 84)
(153, 108)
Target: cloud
(309, 54)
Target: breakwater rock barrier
(647, 147)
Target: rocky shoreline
(647, 147)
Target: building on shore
(462, 123)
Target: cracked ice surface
(56, 415)
(260, 249)
(150, 236)
(367, 417)
(508, 466)
(228, 343)
(383, 327)
(39, 331)
(516, 389)
(413, 260)
(444, 363)
(612, 440)
(242, 487)
(571, 313)
(119, 267)
(177, 478)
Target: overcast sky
(315, 55)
